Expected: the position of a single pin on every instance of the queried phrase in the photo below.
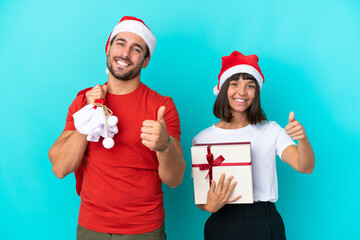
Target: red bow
(211, 163)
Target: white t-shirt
(267, 140)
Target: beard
(119, 74)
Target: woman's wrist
(210, 209)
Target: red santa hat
(239, 63)
(137, 26)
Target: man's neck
(119, 87)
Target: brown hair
(222, 108)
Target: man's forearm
(171, 165)
(67, 152)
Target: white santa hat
(239, 63)
(137, 26)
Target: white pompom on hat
(239, 63)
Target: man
(120, 188)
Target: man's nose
(125, 52)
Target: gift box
(209, 161)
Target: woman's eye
(251, 86)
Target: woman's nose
(242, 91)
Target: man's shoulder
(84, 91)
(80, 99)
(155, 95)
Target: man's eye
(120, 44)
(137, 50)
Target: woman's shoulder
(267, 125)
(205, 134)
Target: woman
(243, 120)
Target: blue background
(309, 53)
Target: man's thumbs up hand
(154, 134)
(294, 129)
(160, 114)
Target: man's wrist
(167, 146)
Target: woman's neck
(239, 120)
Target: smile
(239, 100)
(123, 64)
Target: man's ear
(146, 62)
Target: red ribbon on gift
(217, 162)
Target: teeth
(122, 63)
(239, 100)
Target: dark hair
(222, 108)
(147, 54)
